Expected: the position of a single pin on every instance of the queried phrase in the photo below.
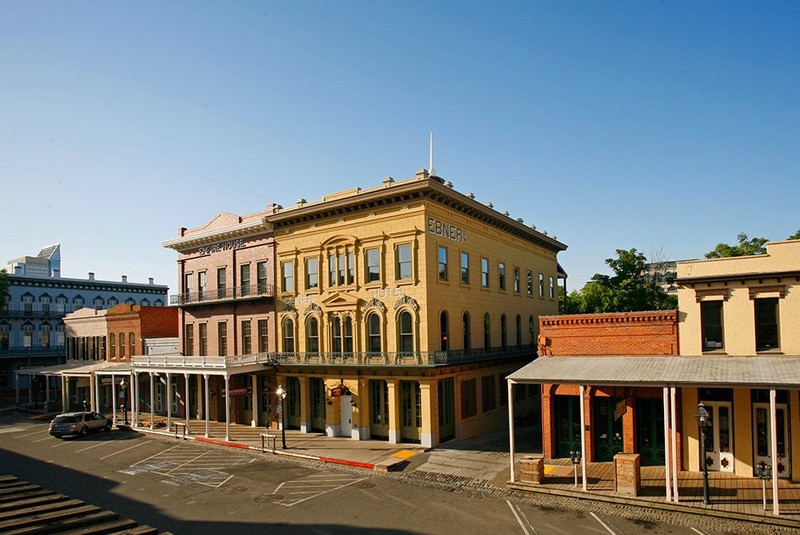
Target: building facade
(31, 320)
(395, 315)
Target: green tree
(745, 247)
(795, 236)
(632, 287)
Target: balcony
(32, 351)
(413, 359)
(36, 312)
(236, 293)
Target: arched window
(444, 330)
(466, 325)
(145, 302)
(336, 335)
(132, 343)
(374, 342)
(98, 303)
(122, 345)
(130, 301)
(405, 329)
(519, 330)
(158, 303)
(348, 334)
(112, 302)
(487, 332)
(288, 336)
(312, 335)
(112, 345)
(503, 331)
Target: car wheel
(107, 427)
(83, 432)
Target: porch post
(227, 408)
(113, 398)
(667, 444)
(205, 395)
(674, 424)
(169, 401)
(186, 401)
(64, 393)
(152, 402)
(135, 399)
(511, 428)
(583, 437)
(94, 392)
(774, 451)
(254, 400)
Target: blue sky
(665, 126)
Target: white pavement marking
(126, 449)
(314, 494)
(31, 434)
(602, 523)
(42, 439)
(103, 443)
(697, 531)
(4, 430)
(521, 519)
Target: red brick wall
(618, 333)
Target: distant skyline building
(31, 318)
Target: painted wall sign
(221, 246)
(447, 231)
(389, 292)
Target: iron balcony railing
(390, 359)
(36, 312)
(252, 291)
(33, 351)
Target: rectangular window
(332, 270)
(203, 342)
(530, 282)
(201, 285)
(222, 338)
(287, 276)
(351, 268)
(464, 268)
(221, 282)
(552, 288)
(188, 339)
(484, 272)
(342, 269)
(516, 280)
(541, 285)
(442, 263)
(403, 261)
(469, 396)
(711, 325)
(767, 324)
(244, 280)
(312, 273)
(246, 342)
(501, 275)
(373, 265)
(263, 336)
(489, 392)
(261, 275)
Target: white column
(186, 401)
(254, 400)
(583, 438)
(135, 398)
(511, 428)
(227, 408)
(113, 399)
(667, 444)
(674, 425)
(94, 392)
(773, 424)
(152, 402)
(206, 396)
(64, 393)
(169, 401)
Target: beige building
(749, 307)
(401, 309)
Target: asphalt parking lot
(191, 487)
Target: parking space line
(602, 523)
(316, 494)
(696, 530)
(519, 515)
(103, 443)
(42, 439)
(31, 434)
(126, 449)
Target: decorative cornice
(289, 309)
(374, 303)
(313, 308)
(611, 317)
(406, 300)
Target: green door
(568, 425)
(607, 429)
(447, 410)
(650, 442)
(379, 409)
(317, 387)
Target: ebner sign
(221, 246)
(448, 231)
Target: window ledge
(775, 351)
(715, 352)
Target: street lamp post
(281, 393)
(703, 422)
(122, 387)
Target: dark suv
(78, 424)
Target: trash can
(627, 474)
(532, 469)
